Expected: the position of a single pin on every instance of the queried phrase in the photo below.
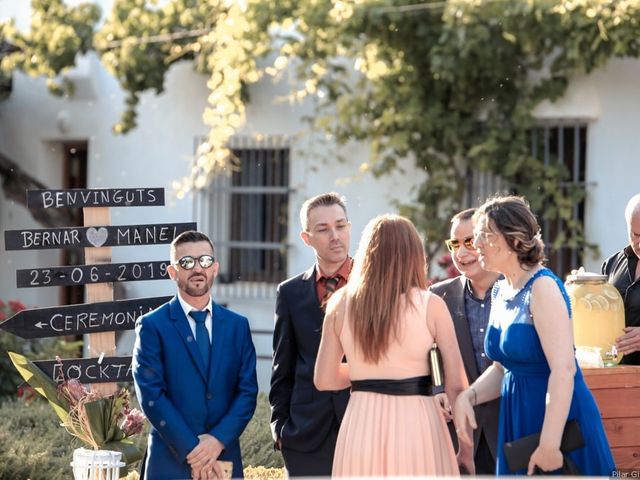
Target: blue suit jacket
(180, 399)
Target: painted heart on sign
(97, 237)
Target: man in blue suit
(194, 367)
(305, 421)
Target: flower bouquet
(100, 422)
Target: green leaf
(99, 414)
(41, 383)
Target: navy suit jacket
(452, 292)
(301, 415)
(182, 400)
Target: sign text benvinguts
(95, 197)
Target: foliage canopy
(446, 86)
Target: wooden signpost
(96, 197)
(86, 274)
(98, 236)
(85, 318)
(100, 317)
(90, 370)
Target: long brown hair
(390, 261)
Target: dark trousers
(484, 461)
(317, 463)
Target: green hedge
(256, 442)
(36, 349)
(33, 445)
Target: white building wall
(609, 101)
(613, 156)
(33, 125)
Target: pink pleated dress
(394, 435)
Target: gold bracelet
(475, 396)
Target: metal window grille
(563, 143)
(246, 214)
(560, 142)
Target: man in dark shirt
(623, 270)
(468, 297)
(305, 421)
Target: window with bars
(246, 214)
(562, 142)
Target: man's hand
(278, 444)
(630, 341)
(203, 459)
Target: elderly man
(623, 270)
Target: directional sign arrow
(89, 370)
(105, 236)
(81, 318)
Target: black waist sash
(404, 386)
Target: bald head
(633, 207)
(632, 215)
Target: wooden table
(617, 392)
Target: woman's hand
(445, 407)
(547, 459)
(465, 458)
(464, 417)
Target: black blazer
(301, 415)
(452, 292)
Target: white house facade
(50, 138)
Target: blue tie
(202, 335)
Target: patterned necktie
(202, 334)
(330, 285)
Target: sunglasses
(453, 244)
(188, 262)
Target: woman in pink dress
(384, 321)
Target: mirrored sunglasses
(188, 262)
(453, 244)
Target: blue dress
(513, 341)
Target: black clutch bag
(518, 452)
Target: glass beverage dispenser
(598, 318)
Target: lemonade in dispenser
(598, 317)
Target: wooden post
(103, 343)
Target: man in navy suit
(194, 367)
(305, 421)
(468, 298)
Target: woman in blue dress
(530, 340)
